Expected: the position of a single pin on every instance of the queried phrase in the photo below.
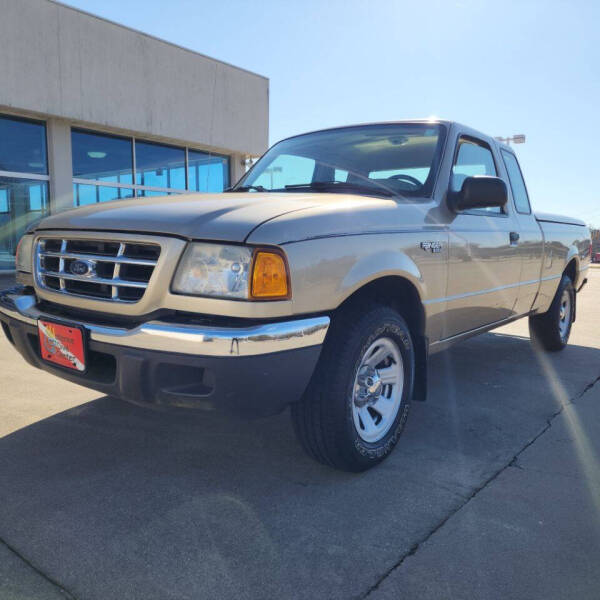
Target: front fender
(325, 272)
(379, 264)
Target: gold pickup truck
(322, 280)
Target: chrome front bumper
(186, 339)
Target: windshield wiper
(247, 188)
(328, 185)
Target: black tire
(323, 418)
(545, 329)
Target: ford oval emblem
(83, 268)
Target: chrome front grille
(113, 270)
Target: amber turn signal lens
(269, 276)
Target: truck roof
(435, 121)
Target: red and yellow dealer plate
(62, 345)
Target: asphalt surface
(492, 492)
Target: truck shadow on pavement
(116, 501)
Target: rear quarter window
(517, 184)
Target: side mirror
(479, 191)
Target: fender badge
(434, 247)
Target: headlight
(24, 257)
(232, 272)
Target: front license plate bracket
(62, 345)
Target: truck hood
(266, 218)
(227, 217)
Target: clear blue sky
(503, 67)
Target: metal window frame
(128, 186)
(34, 121)
(503, 152)
(137, 187)
(28, 177)
(116, 136)
(227, 157)
(31, 177)
(23, 175)
(150, 188)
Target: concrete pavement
(531, 532)
(492, 491)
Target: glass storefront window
(84, 194)
(98, 159)
(23, 181)
(160, 170)
(102, 157)
(23, 146)
(207, 172)
(159, 166)
(22, 202)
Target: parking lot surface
(492, 492)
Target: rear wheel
(551, 330)
(355, 408)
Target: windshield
(387, 160)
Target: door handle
(514, 238)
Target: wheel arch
(395, 291)
(572, 271)
(401, 294)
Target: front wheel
(551, 330)
(355, 408)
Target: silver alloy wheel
(564, 316)
(377, 392)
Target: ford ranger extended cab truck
(322, 280)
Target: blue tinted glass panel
(340, 175)
(159, 166)
(473, 159)
(22, 202)
(106, 194)
(206, 172)
(37, 198)
(286, 169)
(23, 146)
(517, 184)
(364, 155)
(102, 157)
(84, 194)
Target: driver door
(484, 266)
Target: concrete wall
(58, 61)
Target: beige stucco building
(91, 111)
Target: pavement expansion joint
(513, 462)
(68, 595)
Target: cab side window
(517, 185)
(473, 158)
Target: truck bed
(554, 218)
